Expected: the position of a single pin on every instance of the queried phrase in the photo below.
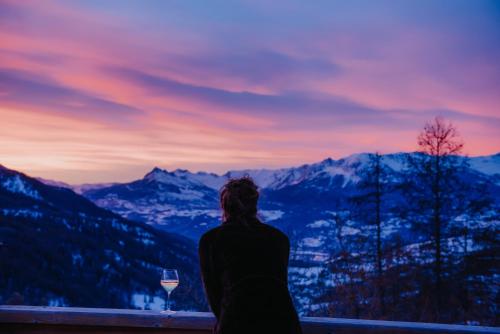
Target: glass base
(168, 312)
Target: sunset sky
(94, 91)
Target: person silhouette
(244, 268)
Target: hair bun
(238, 199)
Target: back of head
(238, 200)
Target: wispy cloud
(33, 91)
(96, 91)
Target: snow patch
(148, 302)
(319, 223)
(489, 165)
(22, 213)
(17, 185)
(346, 230)
(312, 242)
(269, 215)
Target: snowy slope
(489, 165)
(73, 245)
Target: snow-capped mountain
(164, 199)
(187, 203)
(278, 178)
(308, 202)
(58, 248)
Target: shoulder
(222, 231)
(277, 233)
(212, 236)
(209, 235)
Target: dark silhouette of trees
(433, 176)
(437, 259)
(368, 203)
(440, 142)
(348, 290)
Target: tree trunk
(437, 233)
(378, 202)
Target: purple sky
(95, 91)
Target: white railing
(37, 319)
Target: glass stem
(168, 301)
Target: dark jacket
(244, 272)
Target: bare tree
(434, 173)
(439, 140)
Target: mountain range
(309, 202)
(58, 248)
(187, 203)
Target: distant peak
(155, 171)
(357, 158)
(183, 171)
(207, 173)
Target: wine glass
(169, 281)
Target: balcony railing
(39, 319)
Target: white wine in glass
(169, 281)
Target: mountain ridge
(185, 202)
(310, 203)
(486, 164)
(56, 243)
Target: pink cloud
(82, 89)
